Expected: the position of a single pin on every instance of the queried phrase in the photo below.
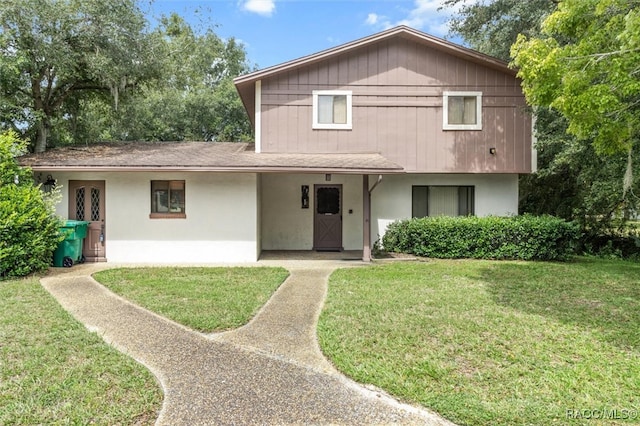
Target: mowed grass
(204, 299)
(493, 343)
(54, 371)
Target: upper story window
(332, 109)
(167, 199)
(462, 110)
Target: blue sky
(275, 31)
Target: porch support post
(366, 219)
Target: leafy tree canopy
(10, 171)
(194, 98)
(573, 181)
(191, 97)
(51, 50)
(491, 27)
(85, 71)
(587, 66)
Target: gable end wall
(397, 87)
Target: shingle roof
(201, 156)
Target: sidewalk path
(270, 371)
(286, 325)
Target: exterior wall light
(49, 184)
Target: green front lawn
(480, 342)
(204, 299)
(486, 342)
(54, 371)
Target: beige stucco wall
(221, 223)
(495, 194)
(231, 217)
(287, 226)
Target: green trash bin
(69, 251)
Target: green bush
(29, 230)
(524, 237)
(613, 244)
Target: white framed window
(332, 109)
(462, 110)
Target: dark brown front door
(327, 223)
(86, 202)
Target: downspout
(258, 117)
(375, 184)
(534, 140)
(366, 211)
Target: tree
(195, 98)
(573, 181)
(29, 230)
(54, 50)
(587, 66)
(492, 27)
(192, 98)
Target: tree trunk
(42, 133)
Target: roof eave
(402, 30)
(249, 109)
(231, 169)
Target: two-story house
(394, 125)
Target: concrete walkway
(270, 371)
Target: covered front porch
(326, 214)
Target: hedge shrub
(524, 237)
(29, 230)
(614, 244)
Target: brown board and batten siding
(397, 85)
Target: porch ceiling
(202, 156)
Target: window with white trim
(442, 201)
(332, 109)
(462, 110)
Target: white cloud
(241, 42)
(378, 21)
(424, 12)
(261, 7)
(425, 15)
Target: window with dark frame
(168, 199)
(442, 201)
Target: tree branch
(600, 56)
(62, 94)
